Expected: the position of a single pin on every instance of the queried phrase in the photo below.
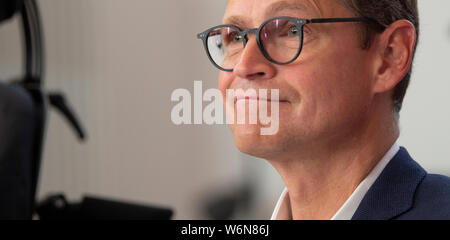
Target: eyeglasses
(280, 40)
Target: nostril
(259, 74)
(256, 75)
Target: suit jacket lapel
(393, 192)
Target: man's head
(344, 81)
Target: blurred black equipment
(24, 105)
(23, 109)
(93, 208)
(9, 8)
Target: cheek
(345, 91)
(225, 79)
(329, 85)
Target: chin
(248, 140)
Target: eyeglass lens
(280, 40)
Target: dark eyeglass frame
(299, 22)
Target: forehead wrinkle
(235, 20)
(241, 21)
(285, 5)
(311, 6)
(316, 5)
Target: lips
(256, 98)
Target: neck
(320, 180)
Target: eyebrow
(284, 5)
(235, 20)
(272, 10)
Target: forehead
(254, 12)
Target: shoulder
(431, 199)
(435, 188)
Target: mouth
(255, 98)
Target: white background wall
(118, 61)
(426, 115)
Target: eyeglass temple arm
(314, 20)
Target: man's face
(324, 94)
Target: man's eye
(236, 38)
(219, 44)
(293, 32)
(232, 38)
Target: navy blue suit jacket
(405, 191)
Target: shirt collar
(283, 210)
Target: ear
(394, 52)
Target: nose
(252, 64)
